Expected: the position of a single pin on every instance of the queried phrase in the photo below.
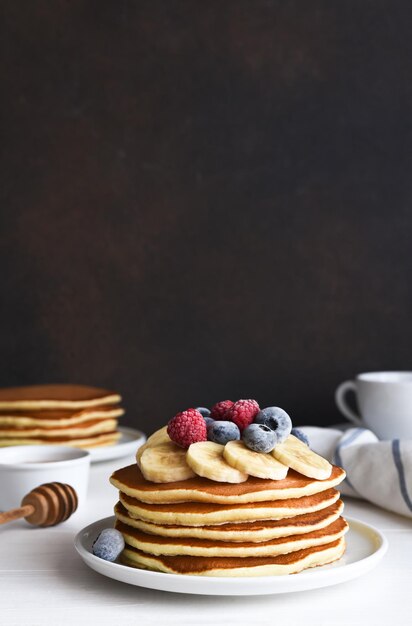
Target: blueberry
(259, 437)
(203, 411)
(222, 432)
(108, 544)
(208, 420)
(277, 420)
(300, 435)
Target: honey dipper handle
(22, 511)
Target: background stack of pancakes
(74, 415)
(258, 527)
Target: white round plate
(128, 443)
(365, 548)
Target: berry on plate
(108, 544)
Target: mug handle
(340, 400)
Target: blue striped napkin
(378, 471)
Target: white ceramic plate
(128, 443)
(365, 548)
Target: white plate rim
(324, 576)
(119, 450)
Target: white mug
(384, 400)
(22, 468)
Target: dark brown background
(206, 200)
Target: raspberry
(187, 427)
(219, 410)
(243, 412)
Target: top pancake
(55, 397)
(130, 481)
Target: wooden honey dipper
(46, 505)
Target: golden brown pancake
(262, 530)
(59, 396)
(92, 427)
(153, 544)
(200, 513)
(94, 441)
(75, 415)
(130, 481)
(206, 527)
(231, 566)
(56, 417)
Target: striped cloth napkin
(378, 471)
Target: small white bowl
(22, 468)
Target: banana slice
(301, 458)
(253, 463)
(206, 459)
(165, 463)
(157, 438)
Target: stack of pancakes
(258, 527)
(75, 415)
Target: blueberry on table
(222, 432)
(259, 438)
(108, 544)
(277, 420)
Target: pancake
(74, 415)
(92, 427)
(231, 566)
(94, 441)
(246, 531)
(56, 417)
(200, 513)
(58, 396)
(167, 546)
(129, 480)
(225, 525)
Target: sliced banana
(301, 458)
(165, 463)
(206, 459)
(253, 463)
(157, 438)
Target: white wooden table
(43, 581)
